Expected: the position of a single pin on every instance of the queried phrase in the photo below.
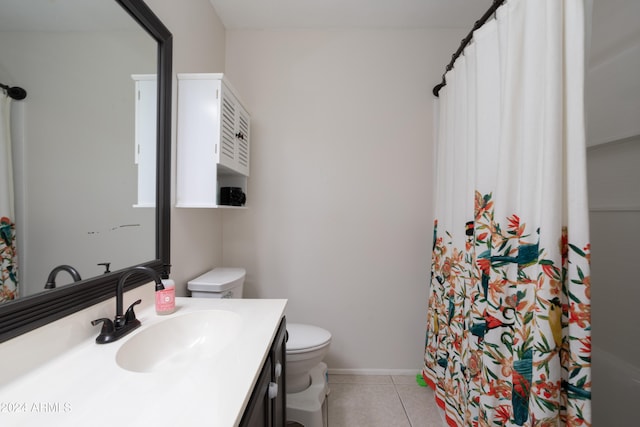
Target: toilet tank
(218, 283)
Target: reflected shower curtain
(8, 255)
(508, 329)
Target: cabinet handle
(240, 135)
(278, 370)
(273, 390)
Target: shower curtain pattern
(495, 337)
(8, 257)
(508, 338)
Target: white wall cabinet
(213, 140)
(146, 116)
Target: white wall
(612, 83)
(340, 217)
(613, 112)
(198, 46)
(615, 214)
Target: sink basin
(181, 341)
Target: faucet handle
(130, 315)
(107, 334)
(107, 325)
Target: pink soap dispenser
(166, 296)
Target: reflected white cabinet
(146, 113)
(213, 140)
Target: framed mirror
(84, 204)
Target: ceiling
(278, 14)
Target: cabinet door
(278, 355)
(243, 137)
(258, 412)
(234, 133)
(228, 112)
(198, 128)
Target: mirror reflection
(83, 168)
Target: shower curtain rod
(15, 92)
(479, 23)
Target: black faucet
(127, 322)
(51, 280)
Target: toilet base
(309, 407)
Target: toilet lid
(217, 280)
(303, 337)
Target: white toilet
(307, 386)
(306, 347)
(306, 374)
(218, 283)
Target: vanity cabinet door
(258, 412)
(268, 406)
(278, 355)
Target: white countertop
(84, 386)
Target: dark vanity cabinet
(267, 406)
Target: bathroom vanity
(215, 362)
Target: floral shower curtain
(8, 255)
(508, 329)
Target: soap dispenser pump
(166, 296)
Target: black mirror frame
(28, 313)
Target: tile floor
(381, 401)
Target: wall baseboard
(374, 371)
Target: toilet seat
(306, 338)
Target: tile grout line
(404, 408)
